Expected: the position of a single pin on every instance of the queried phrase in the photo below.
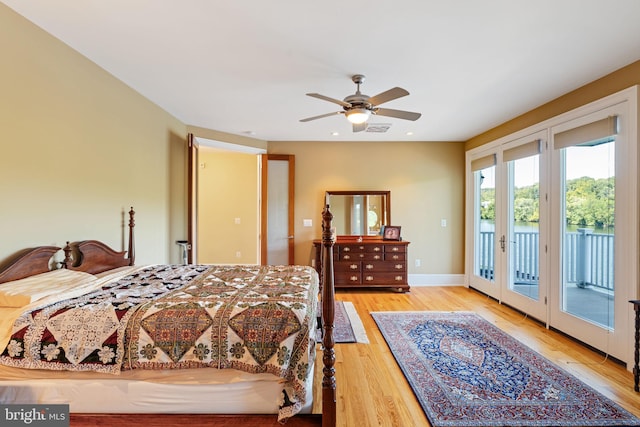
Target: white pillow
(20, 293)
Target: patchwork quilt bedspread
(253, 318)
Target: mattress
(196, 390)
(185, 391)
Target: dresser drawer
(352, 266)
(394, 248)
(372, 256)
(395, 256)
(347, 278)
(350, 256)
(376, 278)
(374, 266)
(349, 249)
(375, 248)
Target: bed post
(328, 314)
(132, 246)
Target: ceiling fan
(359, 107)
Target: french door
(593, 198)
(524, 238)
(485, 224)
(552, 222)
(509, 225)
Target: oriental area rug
(467, 372)
(347, 325)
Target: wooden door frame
(192, 158)
(264, 205)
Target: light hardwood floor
(372, 390)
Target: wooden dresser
(372, 263)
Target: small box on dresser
(371, 263)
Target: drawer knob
(377, 256)
(369, 266)
(399, 266)
(396, 257)
(399, 279)
(368, 278)
(395, 249)
(377, 249)
(353, 266)
(346, 257)
(353, 278)
(346, 249)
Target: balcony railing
(588, 258)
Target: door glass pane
(278, 208)
(485, 219)
(588, 235)
(524, 217)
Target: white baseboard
(436, 280)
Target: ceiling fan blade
(326, 98)
(398, 114)
(359, 127)
(389, 95)
(308, 119)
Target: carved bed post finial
(132, 246)
(68, 261)
(328, 315)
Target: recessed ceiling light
(249, 132)
(335, 134)
(409, 133)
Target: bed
(231, 342)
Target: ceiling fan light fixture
(359, 107)
(358, 115)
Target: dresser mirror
(359, 213)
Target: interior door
(277, 209)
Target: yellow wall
(228, 187)
(611, 83)
(78, 148)
(426, 180)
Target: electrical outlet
(238, 254)
(443, 222)
(418, 263)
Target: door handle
(502, 242)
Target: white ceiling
(243, 67)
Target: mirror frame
(386, 208)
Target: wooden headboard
(27, 262)
(90, 256)
(93, 256)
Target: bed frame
(94, 257)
